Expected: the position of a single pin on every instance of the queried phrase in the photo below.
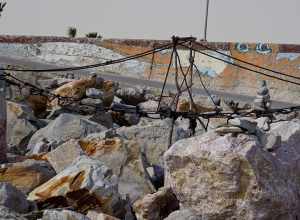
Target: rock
(231, 178)
(27, 175)
(153, 136)
(103, 118)
(185, 214)
(63, 215)
(93, 215)
(245, 123)
(263, 123)
(13, 199)
(289, 151)
(228, 129)
(263, 91)
(262, 101)
(21, 124)
(148, 106)
(111, 151)
(92, 102)
(184, 106)
(48, 83)
(77, 88)
(94, 93)
(38, 103)
(90, 106)
(125, 119)
(64, 128)
(85, 184)
(109, 88)
(64, 155)
(156, 206)
(270, 141)
(7, 214)
(131, 96)
(123, 157)
(41, 147)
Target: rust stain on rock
(91, 147)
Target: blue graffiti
(207, 71)
(242, 47)
(262, 48)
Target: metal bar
(3, 145)
(206, 20)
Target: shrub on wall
(72, 32)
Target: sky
(229, 20)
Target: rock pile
(79, 159)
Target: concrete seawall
(217, 74)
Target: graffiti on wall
(260, 48)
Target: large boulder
(84, 185)
(233, 177)
(21, 124)
(63, 215)
(123, 157)
(13, 198)
(27, 175)
(64, 128)
(153, 137)
(64, 155)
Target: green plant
(93, 35)
(72, 32)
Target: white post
(3, 144)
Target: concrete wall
(217, 75)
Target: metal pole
(206, 20)
(3, 144)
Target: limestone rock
(232, 178)
(27, 175)
(84, 185)
(222, 130)
(148, 106)
(156, 206)
(92, 102)
(48, 83)
(94, 93)
(185, 214)
(64, 128)
(153, 136)
(246, 123)
(185, 106)
(63, 215)
(38, 103)
(93, 215)
(76, 89)
(125, 119)
(64, 155)
(103, 118)
(13, 199)
(112, 152)
(7, 214)
(21, 124)
(131, 96)
(123, 157)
